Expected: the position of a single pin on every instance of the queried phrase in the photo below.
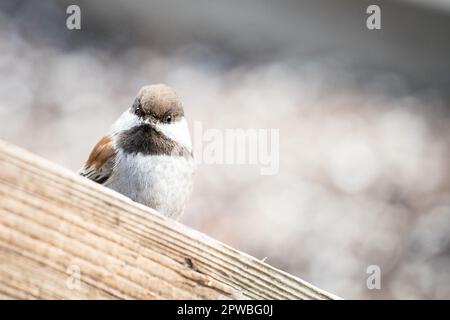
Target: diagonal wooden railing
(65, 237)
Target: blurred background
(364, 120)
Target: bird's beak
(150, 121)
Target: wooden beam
(65, 237)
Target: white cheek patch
(126, 121)
(177, 131)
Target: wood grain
(54, 223)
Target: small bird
(147, 154)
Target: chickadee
(147, 154)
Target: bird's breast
(161, 182)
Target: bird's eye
(169, 118)
(138, 109)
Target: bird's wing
(100, 163)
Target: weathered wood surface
(54, 223)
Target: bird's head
(157, 105)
